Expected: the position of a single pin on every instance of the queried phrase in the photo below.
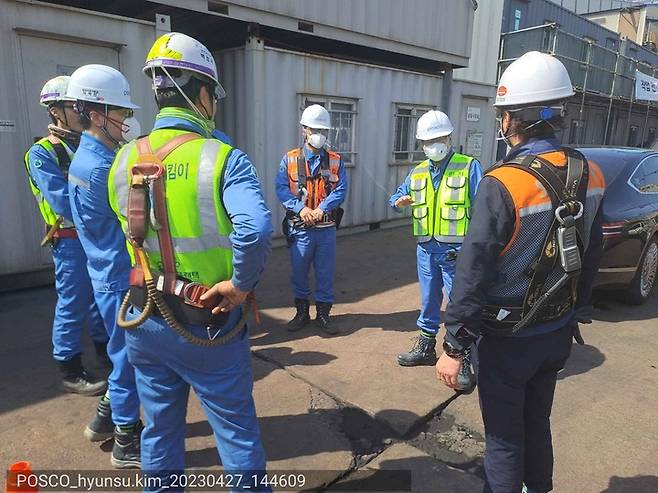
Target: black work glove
(582, 315)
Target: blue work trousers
(166, 366)
(75, 306)
(121, 382)
(436, 270)
(316, 247)
(516, 381)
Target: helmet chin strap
(189, 101)
(106, 132)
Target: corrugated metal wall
(30, 35)
(538, 12)
(482, 66)
(585, 6)
(263, 106)
(442, 25)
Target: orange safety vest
(315, 189)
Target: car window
(645, 177)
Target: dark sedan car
(630, 209)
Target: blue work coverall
(75, 300)
(167, 365)
(108, 264)
(435, 260)
(312, 246)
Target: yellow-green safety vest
(441, 214)
(49, 216)
(198, 222)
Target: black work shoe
(322, 318)
(466, 377)
(76, 380)
(127, 446)
(102, 359)
(302, 317)
(423, 353)
(100, 428)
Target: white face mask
(131, 129)
(317, 140)
(436, 151)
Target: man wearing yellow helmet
(208, 251)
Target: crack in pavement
(434, 433)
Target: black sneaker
(76, 380)
(423, 353)
(101, 427)
(126, 450)
(301, 318)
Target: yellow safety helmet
(182, 52)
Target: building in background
(474, 87)
(375, 64)
(602, 67)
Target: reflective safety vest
(441, 214)
(198, 222)
(315, 189)
(62, 155)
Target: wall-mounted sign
(474, 144)
(472, 114)
(7, 126)
(646, 87)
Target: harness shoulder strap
(146, 154)
(63, 158)
(301, 169)
(325, 172)
(144, 145)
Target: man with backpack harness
(524, 275)
(47, 163)
(311, 185)
(192, 209)
(105, 111)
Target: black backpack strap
(301, 170)
(325, 172)
(63, 158)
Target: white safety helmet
(316, 116)
(534, 78)
(54, 91)
(432, 125)
(180, 51)
(100, 84)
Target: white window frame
(350, 156)
(413, 153)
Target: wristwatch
(452, 351)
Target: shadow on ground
(636, 484)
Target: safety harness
(175, 298)
(562, 243)
(334, 216)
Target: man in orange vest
(311, 185)
(524, 275)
